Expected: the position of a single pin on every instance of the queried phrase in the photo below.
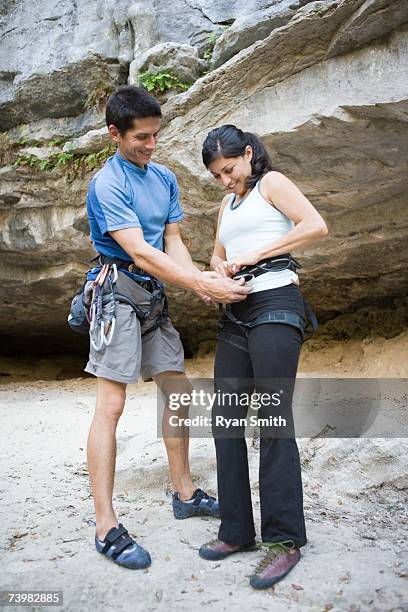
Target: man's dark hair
(128, 103)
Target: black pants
(272, 354)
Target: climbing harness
(114, 281)
(272, 264)
(285, 317)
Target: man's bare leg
(110, 401)
(177, 447)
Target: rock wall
(323, 83)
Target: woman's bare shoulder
(275, 179)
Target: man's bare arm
(177, 250)
(162, 266)
(175, 247)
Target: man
(134, 214)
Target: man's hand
(209, 301)
(206, 298)
(224, 290)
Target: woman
(263, 216)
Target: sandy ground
(356, 558)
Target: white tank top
(252, 224)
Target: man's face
(139, 142)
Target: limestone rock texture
(324, 84)
(249, 28)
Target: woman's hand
(235, 264)
(221, 269)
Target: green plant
(61, 159)
(74, 165)
(212, 39)
(95, 160)
(26, 160)
(319, 10)
(55, 142)
(158, 82)
(54, 161)
(98, 97)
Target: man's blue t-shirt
(122, 195)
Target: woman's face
(232, 172)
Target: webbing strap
(285, 317)
(126, 266)
(310, 315)
(141, 314)
(271, 264)
(156, 297)
(121, 545)
(198, 498)
(113, 535)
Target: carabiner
(98, 347)
(115, 273)
(108, 339)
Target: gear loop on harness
(116, 281)
(102, 325)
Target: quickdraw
(102, 324)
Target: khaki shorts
(130, 354)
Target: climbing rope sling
(93, 309)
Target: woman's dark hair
(230, 141)
(129, 103)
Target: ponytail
(261, 162)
